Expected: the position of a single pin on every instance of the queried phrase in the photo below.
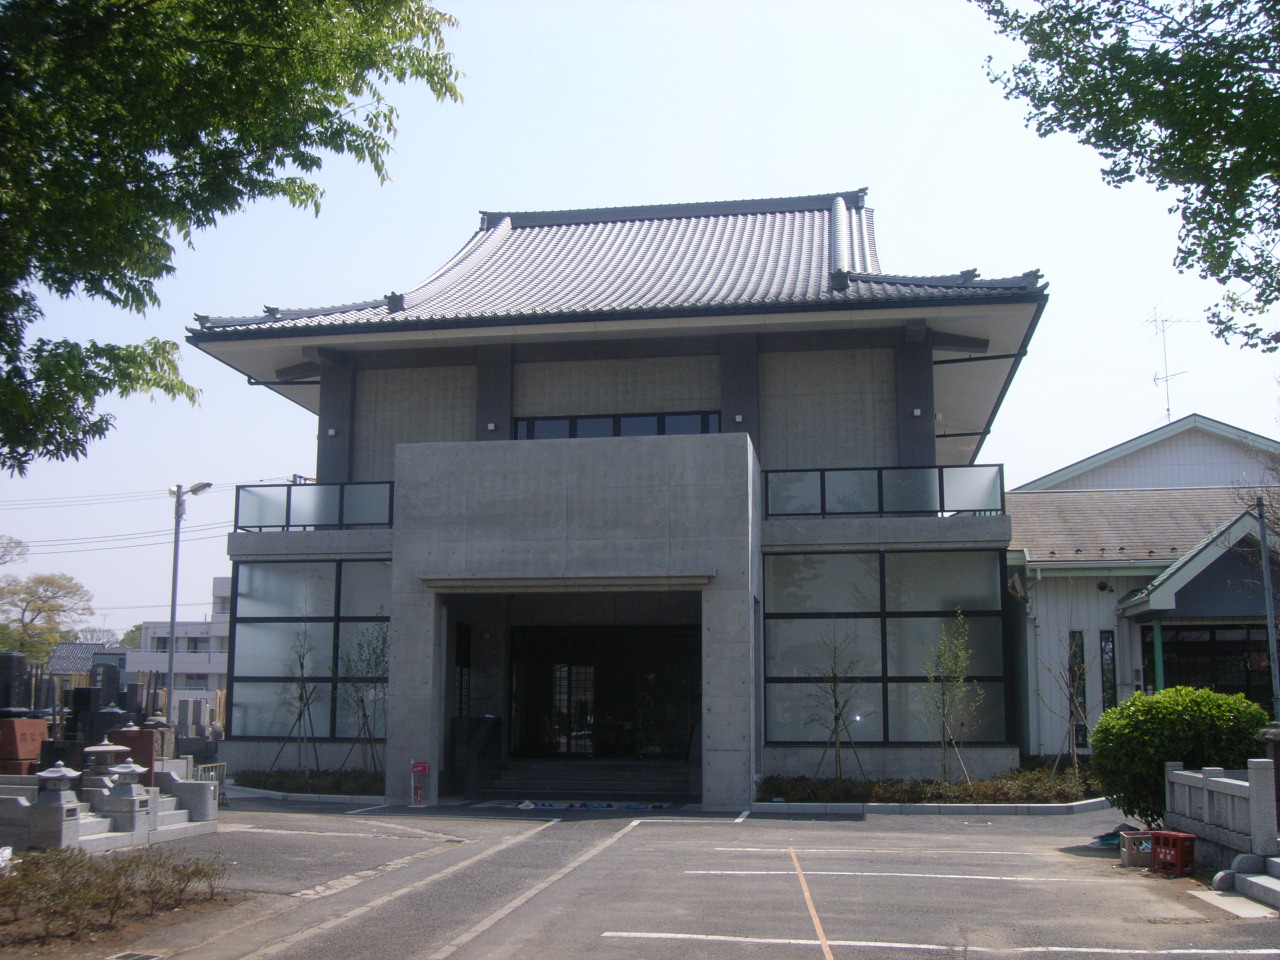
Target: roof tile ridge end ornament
(839, 249)
(476, 250)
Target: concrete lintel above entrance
(523, 584)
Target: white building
(1139, 566)
(199, 656)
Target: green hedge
(1132, 741)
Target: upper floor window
(623, 425)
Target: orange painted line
(813, 911)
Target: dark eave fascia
(1043, 299)
(197, 337)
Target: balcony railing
(885, 491)
(313, 506)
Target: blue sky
(582, 104)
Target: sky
(578, 103)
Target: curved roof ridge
(675, 211)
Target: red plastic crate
(1173, 852)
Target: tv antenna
(1162, 324)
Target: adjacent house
(628, 484)
(1140, 570)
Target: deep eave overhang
(196, 336)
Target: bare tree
(833, 688)
(12, 550)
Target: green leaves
(122, 123)
(1132, 742)
(1185, 96)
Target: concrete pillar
(913, 367)
(336, 423)
(740, 386)
(494, 392)
(415, 691)
(1263, 824)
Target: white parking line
(968, 853)
(870, 873)
(962, 949)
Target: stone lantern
(97, 763)
(55, 785)
(127, 803)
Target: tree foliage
(1133, 740)
(12, 550)
(128, 124)
(34, 611)
(1184, 95)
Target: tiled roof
(740, 256)
(1117, 526)
(69, 658)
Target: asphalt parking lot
(374, 883)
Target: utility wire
(122, 546)
(112, 537)
(44, 503)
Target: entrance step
(646, 781)
(1263, 887)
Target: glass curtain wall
(309, 649)
(866, 625)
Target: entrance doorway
(605, 692)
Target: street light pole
(179, 511)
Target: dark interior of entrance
(608, 692)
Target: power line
(122, 546)
(97, 499)
(109, 537)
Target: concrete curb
(936, 809)
(234, 791)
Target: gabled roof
(1161, 593)
(1152, 528)
(738, 256)
(1195, 421)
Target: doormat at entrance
(573, 805)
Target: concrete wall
(645, 513)
(828, 408)
(642, 385)
(412, 405)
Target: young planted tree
(950, 696)
(364, 693)
(832, 693)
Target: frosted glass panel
(943, 580)
(314, 505)
(285, 589)
(852, 491)
(798, 492)
(261, 506)
(283, 649)
(911, 490)
(913, 717)
(802, 711)
(912, 639)
(806, 648)
(366, 589)
(276, 710)
(362, 649)
(366, 503)
(971, 488)
(362, 710)
(822, 583)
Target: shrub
(1132, 741)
